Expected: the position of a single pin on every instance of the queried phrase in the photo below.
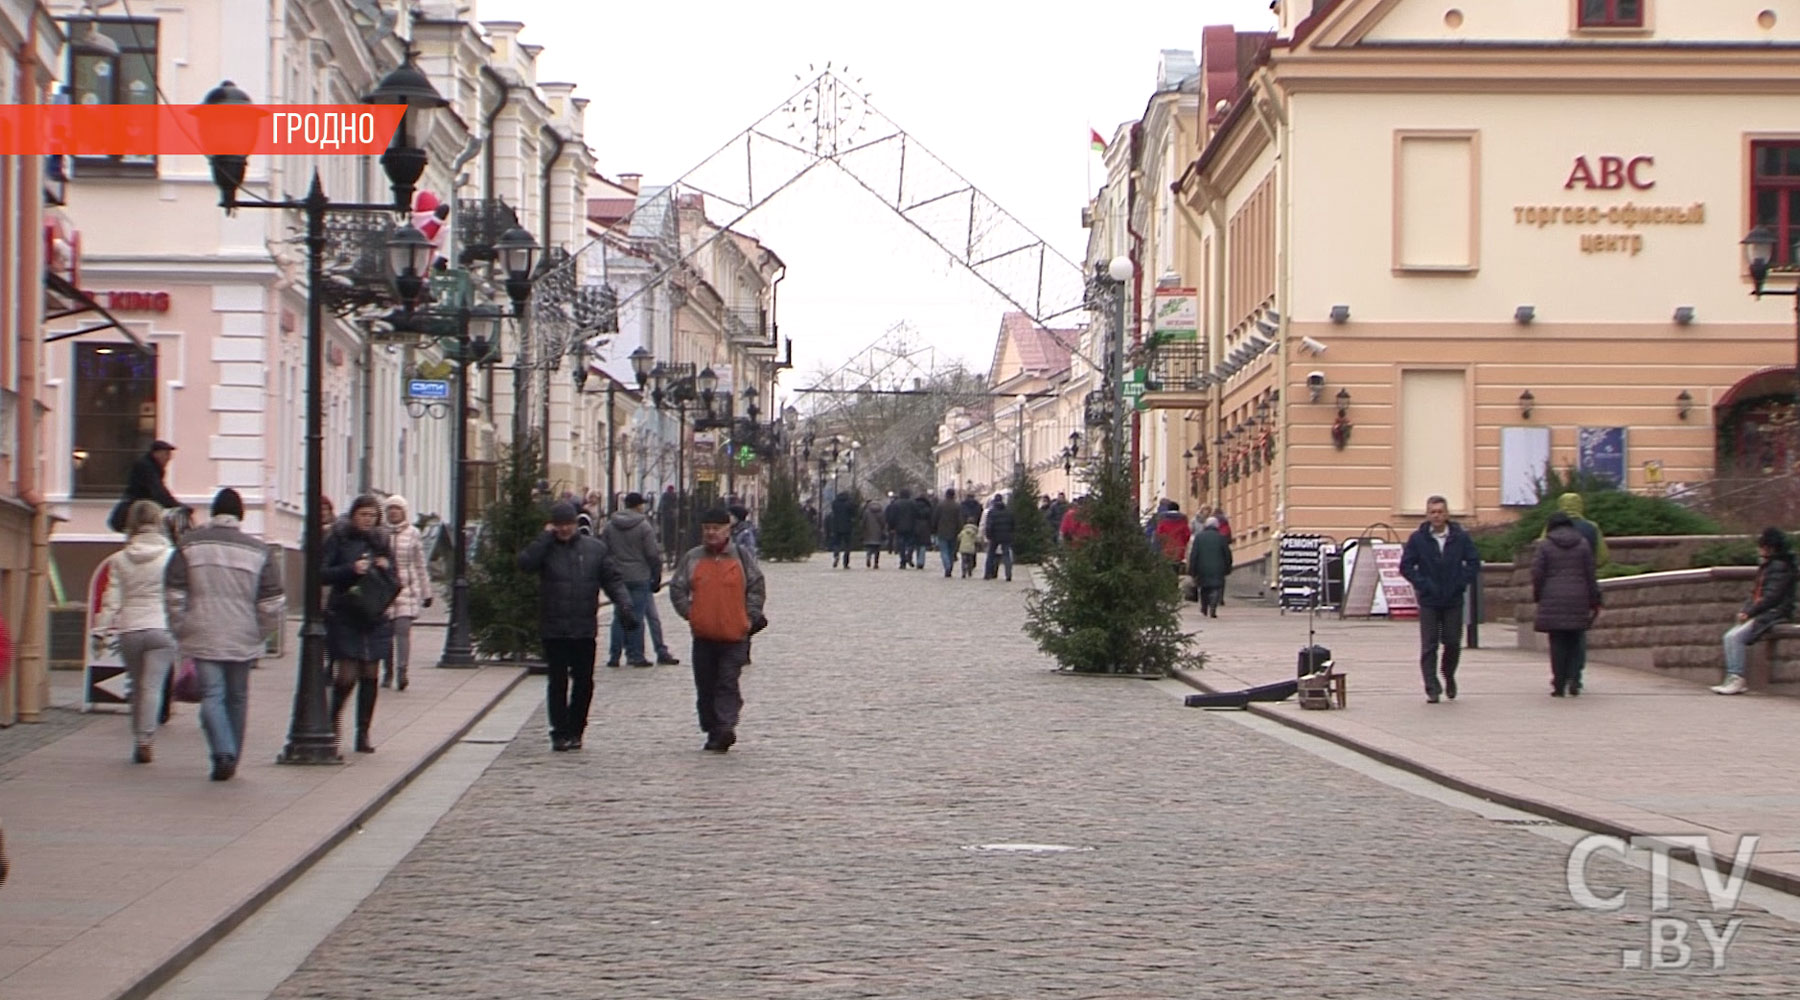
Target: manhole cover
(1025, 848)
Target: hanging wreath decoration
(1340, 432)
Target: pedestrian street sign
(1134, 389)
(428, 388)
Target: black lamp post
(476, 347)
(677, 384)
(1759, 254)
(310, 736)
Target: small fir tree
(787, 535)
(1032, 538)
(503, 599)
(1108, 604)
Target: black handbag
(367, 600)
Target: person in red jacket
(1172, 535)
(1074, 527)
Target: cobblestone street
(894, 722)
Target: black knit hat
(718, 515)
(1773, 539)
(227, 503)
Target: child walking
(968, 542)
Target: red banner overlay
(177, 129)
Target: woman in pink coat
(415, 588)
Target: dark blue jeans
(632, 640)
(947, 552)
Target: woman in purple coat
(1567, 594)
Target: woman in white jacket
(133, 610)
(415, 588)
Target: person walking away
(947, 524)
(358, 566)
(415, 588)
(874, 534)
(134, 610)
(573, 569)
(1771, 603)
(901, 513)
(743, 531)
(223, 596)
(1440, 562)
(968, 543)
(1567, 594)
(1572, 505)
(1172, 535)
(1209, 563)
(631, 544)
(840, 524)
(971, 507)
(145, 481)
(1000, 525)
(667, 513)
(719, 589)
(923, 509)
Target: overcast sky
(1002, 91)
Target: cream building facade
(221, 300)
(1036, 388)
(1441, 245)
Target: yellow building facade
(1438, 246)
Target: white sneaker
(1733, 685)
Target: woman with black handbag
(359, 569)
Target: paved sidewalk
(1635, 754)
(122, 873)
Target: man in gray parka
(631, 538)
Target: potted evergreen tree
(503, 599)
(786, 534)
(1107, 604)
(1032, 536)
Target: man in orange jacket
(719, 589)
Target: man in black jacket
(947, 521)
(1000, 527)
(901, 513)
(572, 569)
(1440, 562)
(840, 524)
(145, 482)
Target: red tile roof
(1041, 351)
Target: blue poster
(1600, 451)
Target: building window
(126, 78)
(1611, 14)
(1433, 440)
(1775, 194)
(115, 415)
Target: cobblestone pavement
(894, 720)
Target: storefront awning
(72, 301)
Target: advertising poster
(1177, 315)
(1601, 452)
(1395, 591)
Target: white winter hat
(396, 500)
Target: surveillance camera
(1315, 379)
(1312, 345)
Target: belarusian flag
(1098, 143)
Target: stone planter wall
(1672, 623)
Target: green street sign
(1134, 389)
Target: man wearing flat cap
(718, 588)
(572, 569)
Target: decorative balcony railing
(1177, 366)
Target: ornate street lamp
(1759, 256)
(311, 739)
